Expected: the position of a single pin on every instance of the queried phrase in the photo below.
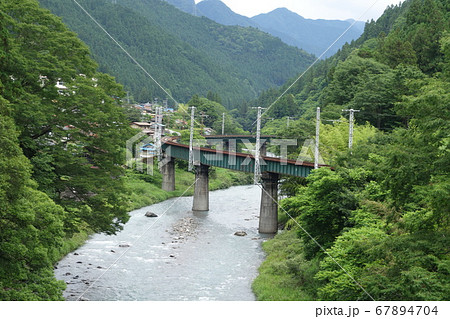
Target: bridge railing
(238, 161)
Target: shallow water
(180, 255)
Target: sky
(314, 9)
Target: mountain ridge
(312, 35)
(190, 55)
(219, 12)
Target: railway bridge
(271, 169)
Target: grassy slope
(276, 280)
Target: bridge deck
(238, 161)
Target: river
(180, 255)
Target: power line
(128, 54)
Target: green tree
(394, 50)
(323, 207)
(349, 76)
(74, 135)
(31, 227)
(212, 113)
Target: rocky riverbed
(179, 255)
(184, 229)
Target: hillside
(186, 54)
(381, 219)
(311, 90)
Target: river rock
(240, 233)
(150, 214)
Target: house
(142, 125)
(208, 131)
(145, 127)
(148, 128)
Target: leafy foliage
(31, 228)
(72, 135)
(382, 215)
(211, 114)
(61, 148)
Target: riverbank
(284, 275)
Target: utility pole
(158, 132)
(191, 140)
(316, 151)
(223, 123)
(257, 174)
(350, 131)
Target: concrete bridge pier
(168, 175)
(201, 188)
(268, 216)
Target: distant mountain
(313, 36)
(360, 25)
(218, 11)
(188, 55)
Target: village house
(147, 128)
